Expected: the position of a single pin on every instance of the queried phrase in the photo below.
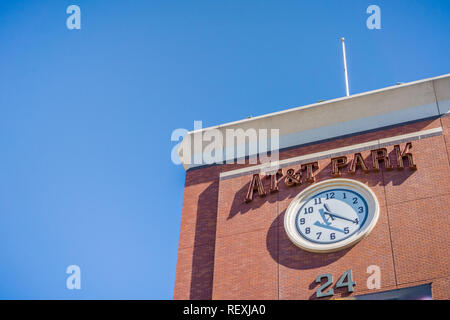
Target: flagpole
(345, 66)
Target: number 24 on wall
(340, 284)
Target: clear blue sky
(86, 116)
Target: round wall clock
(331, 215)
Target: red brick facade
(230, 249)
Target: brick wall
(230, 249)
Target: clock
(331, 215)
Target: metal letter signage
(305, 174)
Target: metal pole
(345, 66)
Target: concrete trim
(379, 143)
(324, 102)
(338, 117)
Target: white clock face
(331, 215)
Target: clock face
(331, 215)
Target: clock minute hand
(340, 217)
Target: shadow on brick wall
(288, 255)
(204, 244)
(239, 206)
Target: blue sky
(86, 116)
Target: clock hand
(317, 223)
(335, 215)
(328, 209)
(340, 217)
(322, 214)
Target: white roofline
(329, 119)
(320, 103)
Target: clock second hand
(328, 209)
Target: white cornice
(342, 116)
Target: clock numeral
(332, 236)
(319, 291)
(349, 283)
(309, 210)
(302, 221)
(345, 196)
(318, 234)
(355, 200)
(307, 230)
(356, 221)
(360, 210)
(330, 195)
(346, 231)
(317, 201)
